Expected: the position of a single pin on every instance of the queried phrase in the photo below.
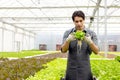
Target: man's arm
(94, 48)
(65, 46)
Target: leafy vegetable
(54, 71)
(117, 58)
(79, 35)
(102, 69)
(106, 69)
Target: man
(78, 64)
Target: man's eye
(80, 20)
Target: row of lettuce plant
(117, 58)
(20, 69)
(102, 69)
(54, 71)
(24, 53)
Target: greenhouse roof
(55, 15)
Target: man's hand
(93, 47)
(65, 46)
(70, 38)
(88, 39)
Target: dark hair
(79, 14)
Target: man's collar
(74, 29)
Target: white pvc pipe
(105, 21)
(13, 41)
(98, 24)
(2, 36)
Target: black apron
(78, 65)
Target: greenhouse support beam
(15, 26)
(105, 20)
(24, 23)
(94, 12)
(98, 25)
(51, 17)
(57, 7)
(2, 37)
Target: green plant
(79, 35)
(20, 69)
(22, 54)
(117, 58)
(102, 69)
(3, 59)
(54, 71)
(95, 56)
(106, 69)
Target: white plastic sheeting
(21, 19)
(13, 39)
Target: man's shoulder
(89, 30)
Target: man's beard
(79, 27)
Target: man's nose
(79, 23)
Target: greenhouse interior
(32, 45)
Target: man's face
(79, 23)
